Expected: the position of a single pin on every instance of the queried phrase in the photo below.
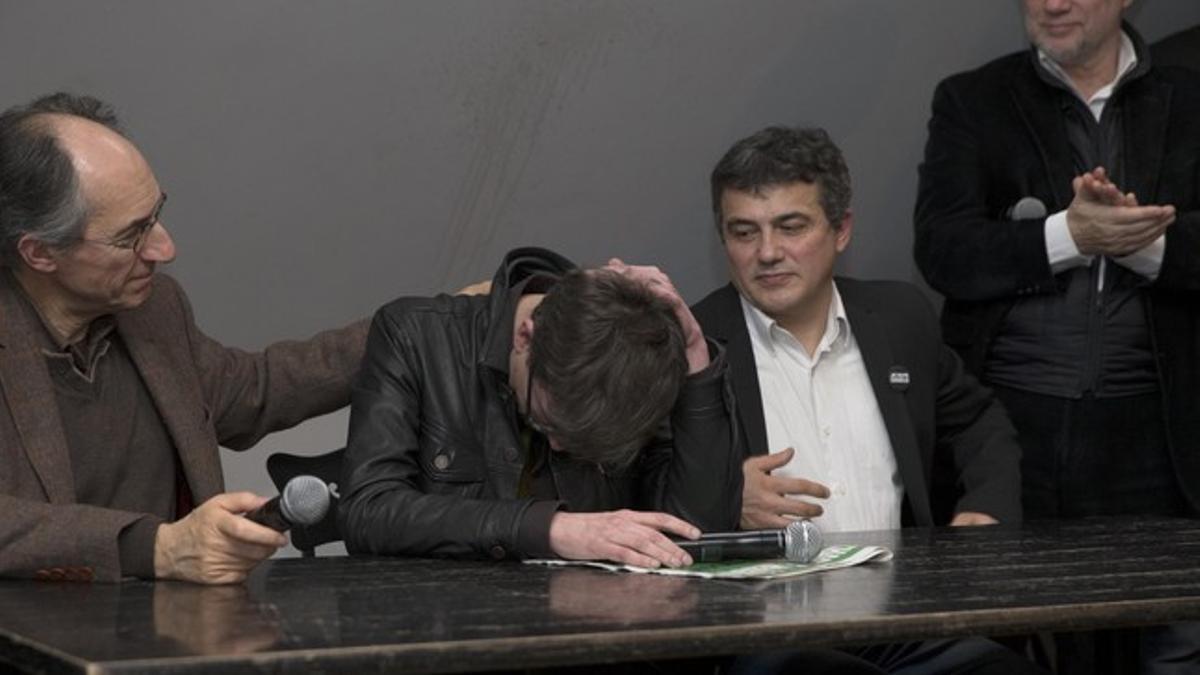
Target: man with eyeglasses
(114, 401)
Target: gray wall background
(325, 157)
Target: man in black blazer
(1058, 212)
(853, 411)
(781, 198)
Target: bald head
(109, 170)
(50, 150)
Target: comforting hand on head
(658, 282)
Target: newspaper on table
(830, 558)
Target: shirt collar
(1127, 60)
(96, 333)
(767, 331)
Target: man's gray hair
(39, 190)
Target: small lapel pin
(898, 378)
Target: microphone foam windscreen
(305, 500)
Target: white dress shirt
(823, 406)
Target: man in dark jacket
(517, 424)
(1059, 213)
(853, 411)
(1072, 291)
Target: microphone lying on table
(799, 542)
(303, 502)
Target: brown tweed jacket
(207, 395)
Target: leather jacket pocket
(451, 459)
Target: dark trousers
(1093, 456)
(1098, 457)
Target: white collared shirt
(824, 407)
(1061, 250)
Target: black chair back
(282, 467)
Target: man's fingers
(237, 502)
(767, 463)
(972, 518)
(245, 530)
(753, 519)
(1131, 215)
(664, 522)
(628, 556)
(477, 288)
(251, 554)
(788, 506)
(649, 542)
(796, 486)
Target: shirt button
(510, 453)
(498, 552)
(441, 462)
(827, 430)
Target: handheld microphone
(799, 542)
(1026, 208)
(304, 501)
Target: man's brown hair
(609, 355)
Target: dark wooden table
(372, 615)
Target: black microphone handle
(271, 515)
(751, 545)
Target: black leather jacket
(433, 459)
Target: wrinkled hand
(658, 283)
(214, 544)
(630, 537)
(766, 503)
(1103, 221)
(972, 518)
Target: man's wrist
(1062, 250)
(163, 566)
(137, 549)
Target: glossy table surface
(342, 614)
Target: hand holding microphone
(799, 542)
(303, 502)
(215, 544)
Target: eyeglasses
(134, 237)
(529, 420)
